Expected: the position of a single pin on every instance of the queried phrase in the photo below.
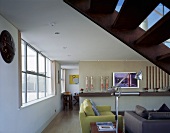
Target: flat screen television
(128, 82)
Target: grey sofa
(137, 124)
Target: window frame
(36, 73)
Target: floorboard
(66, 121)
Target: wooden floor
(65, 122)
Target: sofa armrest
(103, 108)
(133, 122)
(81, 112)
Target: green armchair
(87, 115)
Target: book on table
(105, 126)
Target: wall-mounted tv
(128, 82)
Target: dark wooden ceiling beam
(157, 34)
(103, 6)
(133, 13)
(165, 57)
(166, 3)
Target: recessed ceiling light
(57, 33)
(64, 47)
(68, 55)
(52, 23)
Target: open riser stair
(124, 25)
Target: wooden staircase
(125, 25)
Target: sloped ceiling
(79, 39)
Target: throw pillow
(92, 103)
(96, 112)
(163, 108)
(141, 111)
(158, 115)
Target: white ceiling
(79, 39)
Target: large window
(36, 74)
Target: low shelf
(107, 94)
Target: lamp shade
(138, 75)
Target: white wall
(31, 119)
(73, 88)
(127, 103)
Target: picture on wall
(73, 79)
(128, 82)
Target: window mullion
(45, 79)
(37, 76)
(26, 72)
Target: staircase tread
(165, 57)
(103, 6)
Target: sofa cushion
(106, 113)
(158, 115)
(87, 107)
(141, 111)
(163, 108)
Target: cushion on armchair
(141, 111)
(96, 112)
(92, 103)
(164, 108)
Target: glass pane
(48, 85)
(31, 87)
(23, 87)
(41, 86)
(23, 54)
(119, 5)
(167, 43)
(31, 60)
(154, 17)
(48, 67)
(41, 64)
(166, 10)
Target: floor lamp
(116, 91)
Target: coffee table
(93, 129)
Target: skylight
(119, 5)
(154, 17)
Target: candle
(102, 83)
(87, 83)
(107, 82)
(91, 83)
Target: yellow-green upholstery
(87, 117)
